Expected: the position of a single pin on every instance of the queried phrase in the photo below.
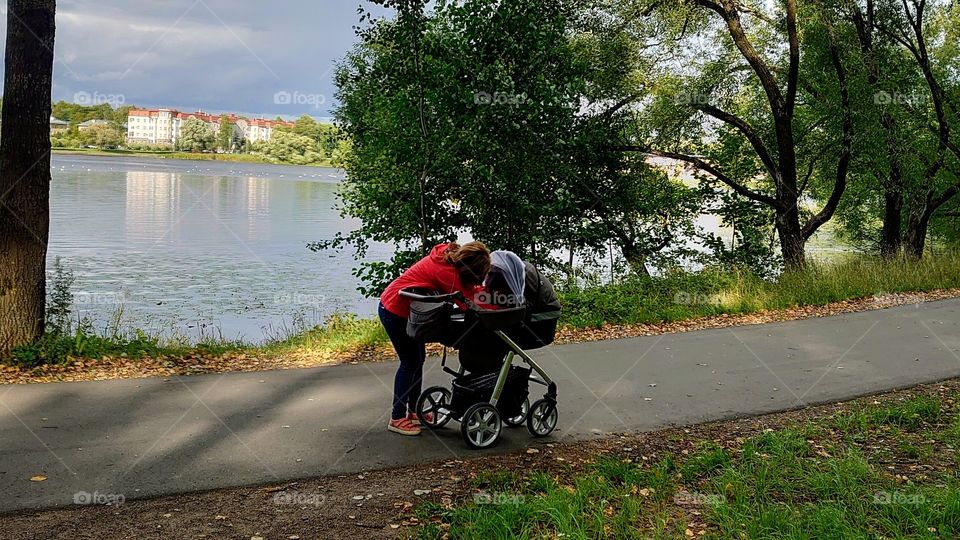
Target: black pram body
(483, 352)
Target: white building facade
(162, 126)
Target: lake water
(191, 247)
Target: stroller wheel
(429, 406)
(518, 420)
(481, 425)
(542, 419)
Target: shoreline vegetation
(635, 306)
(187, 156)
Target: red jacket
(431, 272)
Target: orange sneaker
(403, 426)
(414, 418)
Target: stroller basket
(473, 389)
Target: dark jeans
(409, 381)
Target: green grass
(907, 415)
(341, 334)
(780, 484)
(680, 296)
(84, 343)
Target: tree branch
(711, 170)
(843, 165)
(747, 130)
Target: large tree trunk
(891, 241)
(916, 238)
(792, 241)
(25, 170)
(636, 260)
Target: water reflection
(152, 204)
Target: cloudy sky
(269, 57)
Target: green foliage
(326, 136)
(60, 301)
(226, 140)
(470, 118)
(77, 114)
(288, 147)
(684, 295)
(83, 343)
(102, 136)
(754, 236)
(907, 150)
(196, 136)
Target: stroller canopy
(511, 268)
(525, 281)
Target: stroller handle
(457, 295)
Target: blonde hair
(472, 261)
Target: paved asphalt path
(151, 437)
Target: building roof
(94, 122)
(58, 122)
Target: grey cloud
(218, 55)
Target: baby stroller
(488, 390)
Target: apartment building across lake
(163, 126)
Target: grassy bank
(681, 296)
(880, 470)
(671, 298)
(193, 156)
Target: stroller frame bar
(515, 350)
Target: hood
(436, 254)
(509, 265)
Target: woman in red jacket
(448, 268)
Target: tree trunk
(792, 241)
(916, 239)
(636, 260)
(891, 242)
(25, 171)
